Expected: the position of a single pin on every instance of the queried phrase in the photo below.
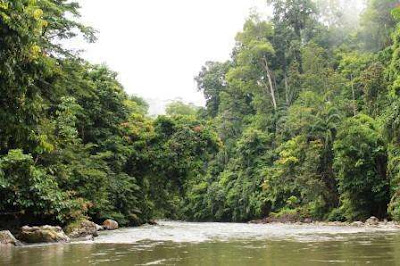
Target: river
(182, 243)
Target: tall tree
(291, 18)
(211, 81)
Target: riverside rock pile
(81, 230)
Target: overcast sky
(159, 46)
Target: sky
(159, 46)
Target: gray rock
(110, 224)
(42, 234)
(6, 238)
(82, 229)
(152, 222)
(372, 221)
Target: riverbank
(370, 222)
(80, 230)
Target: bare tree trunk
(271, 86)
(286, 90)
(275, 85)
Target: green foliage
(180, 108)
(137, 105)
(296, 86)
(394, 174)
(237, 194)
(336, 215)
(392, 126)
(30, 191)
(360, 163)
(211, 81)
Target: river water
(182, 243)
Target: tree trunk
(271, 86)
(286, 89)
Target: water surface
(180, 243)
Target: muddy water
(181, 243)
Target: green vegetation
(301, 122)
(307, 111)
(180, 108)
(72, 143)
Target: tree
(253, 55)
(360, 164)
(28, 62)
(292, 17)
(211, 81)
(180, 108)
(137, 105)
(30, 192)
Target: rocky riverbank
(77, 231)
(84, 230)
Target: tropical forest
(301, 124)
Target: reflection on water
(175, 243)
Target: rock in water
(43, 234)
(83, 229)
(152, 222)
(110, 224)
(6, 238)
(372, 221)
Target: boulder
(152, 222)
(82, 229)
(6, 238)
(110, 224)
(372, 221)
(42, 234)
